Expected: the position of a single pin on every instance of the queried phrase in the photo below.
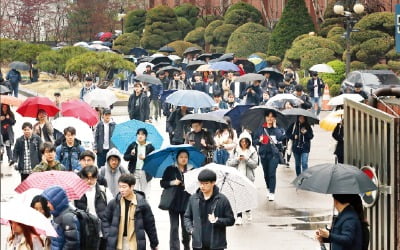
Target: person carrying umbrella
(7, 119)
(14, 77)
(301, 134)
(269, 84)
(201, 139)
(49, 161)
(267, 137)
(253, 93)
(23, 237)
(43, 127)
(176, 82)
(226, 84)
(208, 214)
(138, 104)
(299, 93)
(89, 86)
(173, 179)
(225, 141)
(315, 86)
(338, 135)
(176, 128)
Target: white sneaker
(239, 221)
(271, 197)
(249, 217)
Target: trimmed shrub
(273, 60)
(238, 17)
(222, 34)
(323, 31)
(185, 26)
(394, 65)
(196, 36)
(339, 75)
(251, 12)
(180, 46)
(392, 54)
(135, 21)
(382, 21)
(335, 31)
(248, 39)
(318, 55)
(362, 36)
(205, 21)
(334, 90)
(373, 49)
(357, 65)
(126, 42)
(379, 66)
(208, 33)
(188, 11)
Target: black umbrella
(192, 50)
(138, 52)
(226, 57)
(235, 115)
(250, 77)
(160, 65)
(19, 65)
(170, 69)
(160, 59)
(330, 178)
(148, 78)
(254, 118)
(193, 65)
(167, 49)
(292, 114)
(4, 89)
(204, 56)
(248, 66)
(209, 121)
(275, 74)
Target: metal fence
(372, 139)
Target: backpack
(89, 231)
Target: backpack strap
(102, 171)
(103, 193)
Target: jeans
(154, 109)
(269, 164)
(14, 89)
(174, 243)
(101, 158)
(316, 100)
(301, 161)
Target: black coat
(268, 149)
(338, 135)
(306, 101)
(6, 127)
(144, 107)
(99, 136)
(221, 208)
(144, 223)
(310, 87)
(133, 158)
(303, 142)
(34, 147)
(242, 87)
(176, 127)
(181, 196)
(253, 98)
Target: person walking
(39, 203)
(225, 142)
(138, 104)
(245, 159)
(208, 214)
(89, 86)
(102, 137)
(14, 77)
(175, 127)
(173, 178)
(136, 152)
(87, 158)
(7, 120)
(267, 137)
(301, 134)
(315, 86)
(155, 94)
(112, 170)
(176, 82)
(299, 93)
(26, 151)
(201, 140)
(338, 135)
(23, 237)
(253, 93)
(43, 127)
(49, 161)
(129, 217)
(69, 151)
(358, 89)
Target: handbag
(275, 149)
(167, 198)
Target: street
(287, 223)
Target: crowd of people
(118, 195)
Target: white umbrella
(339, 100)
(97, 42)
(82, 44)
(174, 57)
(142, 67)
(157, 55)
(240, 191)
(99, 47)
(83, 132)
(322, 68)
(279, 100)
(100, 98)
(25, 198)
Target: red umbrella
(74, 186)
(106, 36)
(81, 110)
(31, 106)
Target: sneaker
(249, 217)
(271, 197)
(239, 221)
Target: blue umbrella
(157, 161)
(226, 66)
(235, 113)
(190, 98)
(125, 133)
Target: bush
(357, 65)
(238, 17)
(319, 55)
(394, 65)
(295, 21)
(365, 35)
(208, 33)
(260, 54)
(205, 21)
(339, 75)
(185, 26)
(248, 39)
(379, 66)
(217, 49)
(392, 54)
(251, 12)
(126, 42)
(180, 46)
(196, 36)
(334, 90)
(273, 60)
(8, 48)
(188, 11)
(382, 21)
(336, 31)
(222, 34)
(323, 31)
(373, 49)
(135, 21)
(328, 81)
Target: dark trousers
(24, 176)
(103, 244)
(101, 158)
(269, 164)
(174, 243)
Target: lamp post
(121, 16)
(344, 9)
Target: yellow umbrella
(330, 121)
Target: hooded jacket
(64, 154)
(111, 175)
(65, 221)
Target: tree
(126, 42)
(222, 34)
(184, 25)
(248, 39)
(295, 20)
(135, 21)
(242, 11)
(188, 11)
(208, 33)
(28, 53)
(180, 46)
(161, 27)
(196, 36)
(8, 48)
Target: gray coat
(99, 136)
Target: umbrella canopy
(148, 78)
(4, 89)
(339, 100)
(275, 74)
(83, 131)
(13, 211)
(97, 42)
(170, 69)
(204, 56)
(220, 113)
(258, 62)
(160, 65)
(226, 57)
(204, 68)
(278, 101)
(225, 66)
(330, 178)
(166, 93)
(250, 77)
(99, 47)
(25, 198)
(160, 59)
(331, 120)
(240, 191)
(156, 162)
(167, 49)
(81, 110)
(193, 65)
(31, 106)
(210, 121)
(125, 133)
(10, 100)
(235, 115)
(174, 57)
(74, 186)
(138, 52)
(248, 66)
(142, 67)
(192, 50)
(190, 98)
(19, 65)
(254, 117)
(98, 97)
(292, 114)
(322, 68)
(81, 44)
(106, 36)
